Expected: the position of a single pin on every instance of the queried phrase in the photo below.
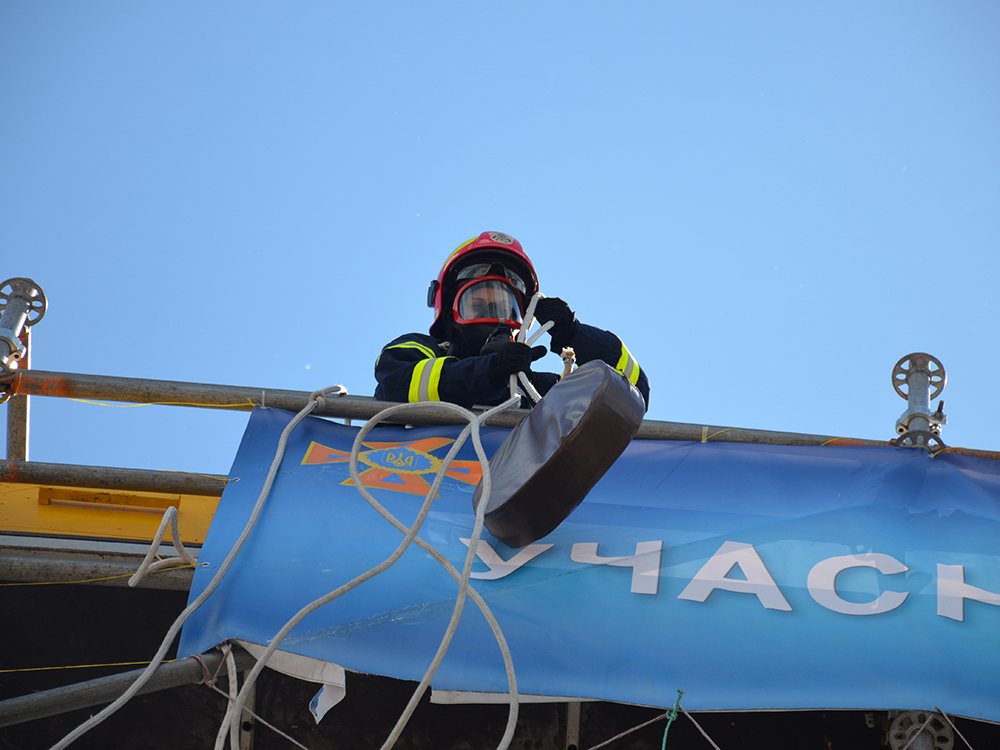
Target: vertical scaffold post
(23, 304)
(19, 410)
(913, 377)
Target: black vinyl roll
(552, 458)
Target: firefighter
(479, 299)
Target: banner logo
(407, 467)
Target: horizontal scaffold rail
(241, 398)
(110, 478)
(89, 572)
(188, 671)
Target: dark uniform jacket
(417, 367)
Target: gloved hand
(556, 310)
(498, 337)
(513, 357)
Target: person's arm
(413, 368)
(590, 343)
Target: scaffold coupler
(919, 378)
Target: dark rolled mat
(551, 459)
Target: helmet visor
(489, 300)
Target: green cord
(671, 715)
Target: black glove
(513, 357)
(556, 310)
(498, 337)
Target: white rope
(411, 536)
(234, 737)
(528, 388)
(522, 335)
(143, 678)
(529, 316)
(147, 565)
(317, 400)
(320, 396)
(256, 717)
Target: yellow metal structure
(100, 514)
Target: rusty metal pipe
(103, 690)
(109, 478)
(84, 572)
(203, 395)
(242, 398)
(19, 411)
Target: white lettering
(498, 567)
(713, 574)
(952, 591)
(645, 563)
(822, 583)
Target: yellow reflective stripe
(435, 379)
(425, 380)
(627, 366)
(427, 351)
(415, 378)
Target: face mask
(491, 300)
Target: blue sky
(771, 203)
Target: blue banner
(749, 576)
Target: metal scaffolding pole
(108, 478)
(240, 398)
(19, 411)
(103, 690)
(85, 572)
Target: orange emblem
(398, 467)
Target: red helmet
(491, 259)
